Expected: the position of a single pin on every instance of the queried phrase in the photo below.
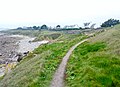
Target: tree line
(109, 23)
(35, 27)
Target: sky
(15, 13)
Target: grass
(52, 36)
(96, 63)
(39, 34)
(32, 33)
(37, 69)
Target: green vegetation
(91, 48)
(39, 34)
(52, 36)
(110, 22)
(44, 27)
(96, 63)
(37, 69)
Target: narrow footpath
(58, 78)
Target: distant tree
(44, 27)
(110, 22)
(36, 28)
(30, 28)
(50, 28)
(80, 27)
(92, 26)
(87, 24)
(19, 28)
(58, 26)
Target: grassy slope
(97, 62)
(43, 34)
(37, 71)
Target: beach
(8, 47)
(13, 48)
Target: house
(71, 26)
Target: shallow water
(26, 44)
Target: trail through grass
(96, 63)
(37, 69)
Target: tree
(87, 24)
(58, 26)
(110, 22)
(92, 26)
(44, 27)
(19, 28)
(36, 28)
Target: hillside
(96, 63)
(37, 69)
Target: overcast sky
(14, 13)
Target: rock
(2, 71)
(19, 59)
(0, 54)
(26, 52)
(2, 61)
(19, 55)
(30, 41)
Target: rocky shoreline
(13, 48)
(8, 47)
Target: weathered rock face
(2, 61)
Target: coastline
(8, 46)
(13, 48)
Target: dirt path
(58, 78)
